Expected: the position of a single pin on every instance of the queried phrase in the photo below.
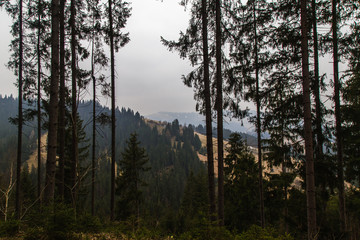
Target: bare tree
(7, 193)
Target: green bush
(257, 233)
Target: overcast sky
(148, 75)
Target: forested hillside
(171, 149)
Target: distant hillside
(195, 119)
(243, 127)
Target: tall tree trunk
(310, 178)
(39, 104)
(62, 102)
(219, 108)
(338, 120)
(209, 143)
(93, 131)
(20, 113)
(74, 151)
(258, 121)
(112, 62)
(53, 106)
(318, 118)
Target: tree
(241, 176)
(130, 180)
(194, 44)
(38, 22)
(115, 39)
(98, 58)
(219, 110)
(74, 79)
(208, 116)
(53, 105)
(249, 56)
(338, 129)
(310, 183)
(62, 105)
(20, 114)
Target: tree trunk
(53, 106)
(20, 114)
(338, 121)
(310, 179)
(112, 62)
(219, 107)
(318, 119)
(39, 105)
(209, 143)
(62, 102)
(258, 122)
(93, 132)
(74, 151)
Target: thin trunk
(283, 163)
(7, 193)
(318, 120)
(74, 151)
(219, 108)
(93, 133)
(258, 122)
(112, 60)
(53, 106)
(20, 114)
(62, 102)
(209, 143)
(310, 178)
(39, 107)
(338, 120)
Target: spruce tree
(53, 105)
(338, 128)
(310, 175)
(20, 113)
(219, 110)
(130, 181)
(118, 12)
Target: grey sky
(148, 76)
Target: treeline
(265, 52)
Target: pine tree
(241, 176)
(219, 110)
(130, 180)
(38, 23)
(62, 101)
(310, 183)
(53, 105)
(338, 129)
(74, 82)
(115, 39)
(20, 113)
(192, 44)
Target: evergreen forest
(72, 167)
